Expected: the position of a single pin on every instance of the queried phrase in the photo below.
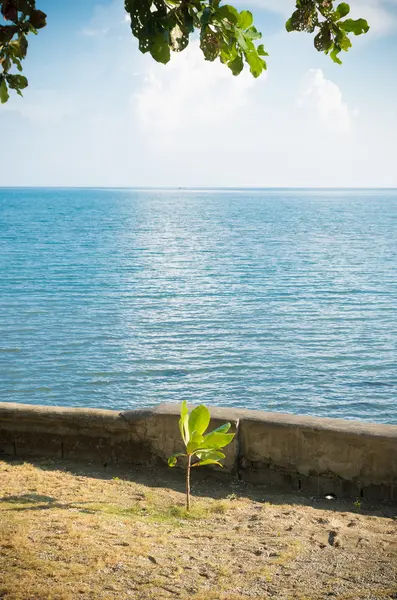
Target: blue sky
(98, 113)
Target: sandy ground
(69, 531)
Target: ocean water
(281, 300)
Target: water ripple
(275, 300)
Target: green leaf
(199, 419)
(207, 461)
(342, 10)
(208, 457)
(7, 33)
(323, 40)
(253, 34)
(217, 440)
(222, 428)
(256, 63)
(195, 442)
(209, 453)
(16, 82)
(358, 26)
(242, 42)
(209, 44)
(6, 64)
(173, 459)
(3, 90)
(23, 46)
(305, 18)
(261, 50)
(18, 48)
(343, 41)
(38, 19)
(9, 11)
(160, 49)
(236, 65)
(334, 56)
(229, 13)
(206, 16)
(184, 422)
(289, 26)
(25, 6)
(15, 49)
(245, 19)
(17, 62)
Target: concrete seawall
(314, 455)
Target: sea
(274, 299)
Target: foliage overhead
(204, 448)
(165, 26)
(18, 18)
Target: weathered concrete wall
(348, 458)
(140, 437)
(317, 456)
(73, 433)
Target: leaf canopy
(165, 26)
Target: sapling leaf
(222, 428)
(199, 419)
(173, 458)
(213, 454)
(196, 441)
(207, 461)
(184, 422)
(217, 440)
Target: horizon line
(192, 187)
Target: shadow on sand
(215, 485)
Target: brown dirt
(70, 532)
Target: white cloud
(190, 93)
(324, 98)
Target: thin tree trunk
(189, 459)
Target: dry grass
(72, 532)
